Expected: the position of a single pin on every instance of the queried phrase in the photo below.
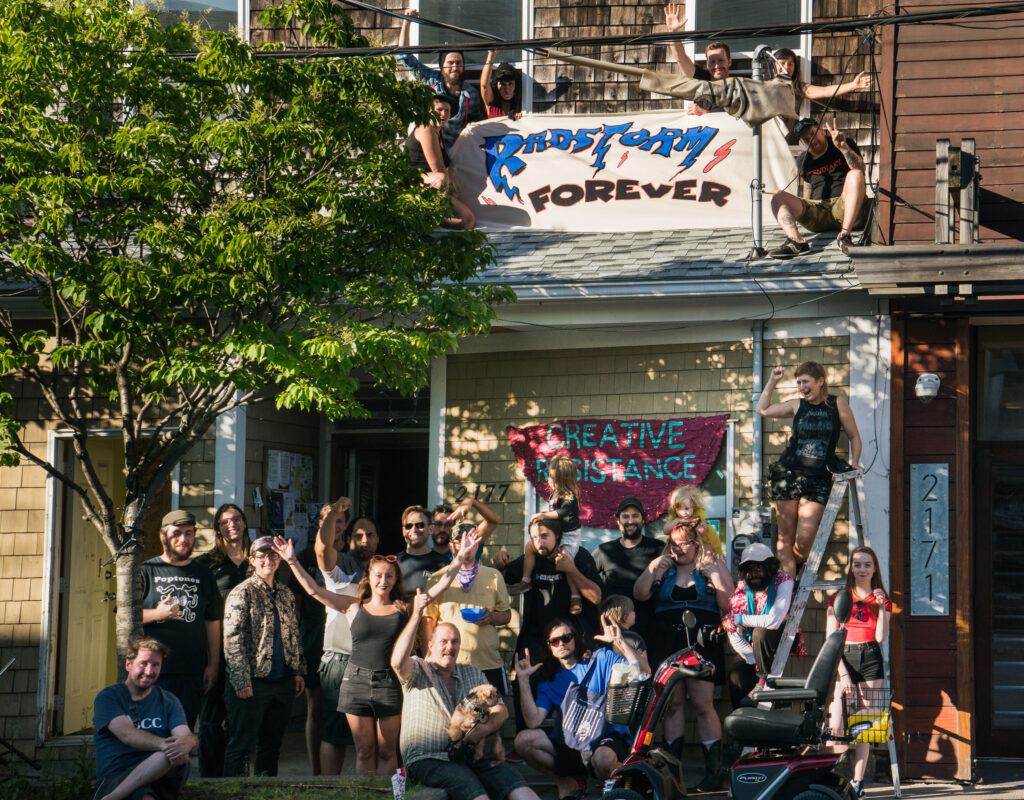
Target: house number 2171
(929, 539)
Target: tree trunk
(129, 602)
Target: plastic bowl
(473, 614)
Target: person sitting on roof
(448, 79)
(833, 169)
(428, 153)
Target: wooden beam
(968, 192)
(943, 219)
(883, 231)
(897, 521)
(964, 558)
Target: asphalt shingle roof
(552, 257)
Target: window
(218, 15)
(707, 14)
(501, 18)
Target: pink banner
(645, 459)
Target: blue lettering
(588, 434)
(673, 433)
(675, 476)
(534, 143)
(542, 470)
(601, 149)
(609, 433)
(502, 154)
(613, 462)
(688, 465)
(560, 139)
(655, 467)
(696, 140)
(597, 471)
(629, 431)
(572, 434)
(650, 431)
(632, 471)
(551, 429)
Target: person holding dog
(433, 688)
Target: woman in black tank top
(802, 479)
(370, 695)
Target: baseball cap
(178, 517)
(756, 552)
(629, 502)
(263, 543)
(805, 124)
(461, 530)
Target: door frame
(989, 745)
(58, 444)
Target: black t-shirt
(225, 572)
(620, 567)
(549, 595)
(701, 73)
(416, 569)
(826, 173)
(195, 590)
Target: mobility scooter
(786, 731)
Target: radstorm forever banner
(625, 172)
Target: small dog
(472, 711)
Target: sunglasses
(565, 638)
(265, 554)
(417, 525)
(389, 559)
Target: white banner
(656, 170)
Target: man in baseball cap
(621, 561)
(182, 609)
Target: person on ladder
(801, 479)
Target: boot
(672, 773)
(713, 771)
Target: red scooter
(787, 762)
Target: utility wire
(541, 46)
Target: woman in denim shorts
(370, 695)
(802, 479)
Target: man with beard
(141, 739)
(419, 560)
(441, 528)
(182, 608)
(621, 561)
(757, 614)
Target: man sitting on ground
(142, 740)
(433, 687)
(833, 169)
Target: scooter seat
(769, 728)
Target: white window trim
(804, 52)
(242, 20)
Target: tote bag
(583, 713)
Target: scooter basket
(867, 716)
(626, 701)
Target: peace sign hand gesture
(837, 136)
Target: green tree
(206, 231)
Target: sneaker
(789, 249)
(844, 242)
(856, 789)
(514, 757)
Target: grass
(312, 788)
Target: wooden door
(999, 601)
(89, 649)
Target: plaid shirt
(428, 709)
(249, 631)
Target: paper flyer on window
(663, 170)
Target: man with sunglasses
(419, 560)
(141, 738)
(182, 607)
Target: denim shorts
(370, 693)
(864, 661)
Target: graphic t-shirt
(826, 173)
(549, 595)
(416, 569)
(195, 591)
(551, 693)
(159, 713)
(815, 431)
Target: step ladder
(854, 482)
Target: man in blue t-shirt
(142, 740)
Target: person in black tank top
(801, 479)
(428, 153)
(370, 695)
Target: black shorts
(464, 781)
(568, 762)
(370, 693)
(792, 484)
(670, 636)
(617, 743)
(864, 662)
(167, 787)
(335, 725)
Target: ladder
(854, 481)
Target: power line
(542, 45)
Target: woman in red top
(862, 667)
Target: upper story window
(502, 18)
(218, 15)
(708, 14)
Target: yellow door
(90, 661)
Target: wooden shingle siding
(953, 80)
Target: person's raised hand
(837, 136)
(524, 668)
(610, 631)
(411, 12)
(419, 602)
(778, 373)
(341, 505)
(862, 81)
(879, 596)
(659, 566)
(284, 548)
(674, 20)
(470, 542)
